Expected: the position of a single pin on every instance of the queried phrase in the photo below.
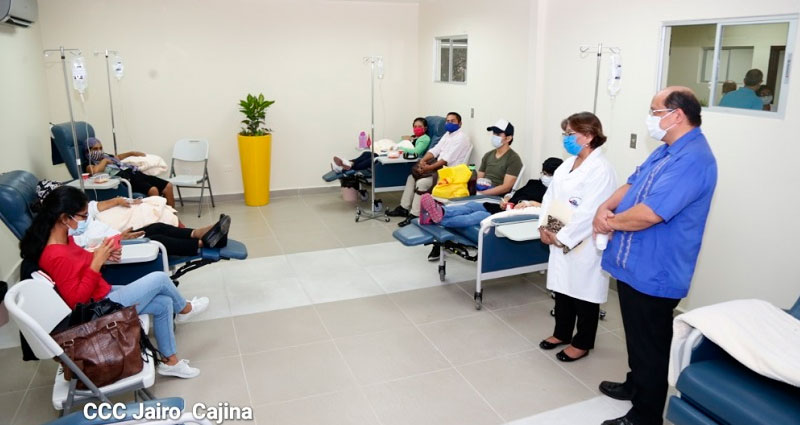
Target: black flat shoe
(217, 236)
(561, 355)
(547, 345)
(616, 390)
(398, 212)
(619, 421)
(407, 221)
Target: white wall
(187, 64)
(497, 68)
(749, 245)
(23, 117)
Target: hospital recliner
(18, 193)
(391, 176)
(62, 148)
(717, 389)
(505, 246)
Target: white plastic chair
(36, 308)
(191, 150)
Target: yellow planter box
(254, 155)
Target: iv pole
(106, 52)
(588, 49)
(373, 61)
(63, 51)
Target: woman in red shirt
(76, 273)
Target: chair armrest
(134, 241)
(515, 219)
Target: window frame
(786, 80)
(437, 59)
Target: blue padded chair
(62, 148)
(717, 389)
(18, 192)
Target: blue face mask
(450, 127)
(571, 144)
(82, 225)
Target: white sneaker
(180, 369)
(199, 305)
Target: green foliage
(254, 109)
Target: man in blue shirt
(657, 219)
(746, 97)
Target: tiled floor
(331, 321)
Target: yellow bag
(453, 182)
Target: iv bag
(380, 68)
(117, 67)
(615, 75)
(79, 81)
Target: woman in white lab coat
(579, 186)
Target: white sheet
(759, 335)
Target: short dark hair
(421, 120)
(455, 114)
(686, 102)
(753, 77)
(586, 123)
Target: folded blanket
(153, 209)
(757, 334)
(511, 213)
(152, 165)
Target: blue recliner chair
(389, 177)
(62, 148)
(717, 389)
(18, 193)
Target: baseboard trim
(280, 193)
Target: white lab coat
(573, 197)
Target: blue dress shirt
(677, 182)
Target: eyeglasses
(83, 216)
(568, 133)
(655, 111)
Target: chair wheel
(442, 273)
(478, 300)
(602, 315)
(387, 219)
(357, 219)
(553, 312)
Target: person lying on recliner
(100, 161)
(178, 241)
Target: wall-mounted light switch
(633, 140)
(472, 112)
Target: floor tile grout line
(436, 347)
(241, 364)
(341, 355)
(19, 406)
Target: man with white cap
(501, 166)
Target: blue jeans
(464, 215)
(153, 294)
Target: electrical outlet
(633, 140)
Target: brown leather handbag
(106, 349)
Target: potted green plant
(255, 142)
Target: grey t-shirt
(495, 169)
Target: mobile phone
(116, 238)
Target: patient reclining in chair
(177, 241)
(415, 145)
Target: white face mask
(546, 180)
(766, 100)
(654, 126)
(497, 141)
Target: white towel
(153, 209)
(152, 165)
(759, 335)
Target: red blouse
(68, 266)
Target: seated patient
(76, 273)
(420, 141)
(500, 165)
(140, 182)
(177, 241)
(532, 193)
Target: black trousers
(648, 331)
(178, 241)
(568, 309)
